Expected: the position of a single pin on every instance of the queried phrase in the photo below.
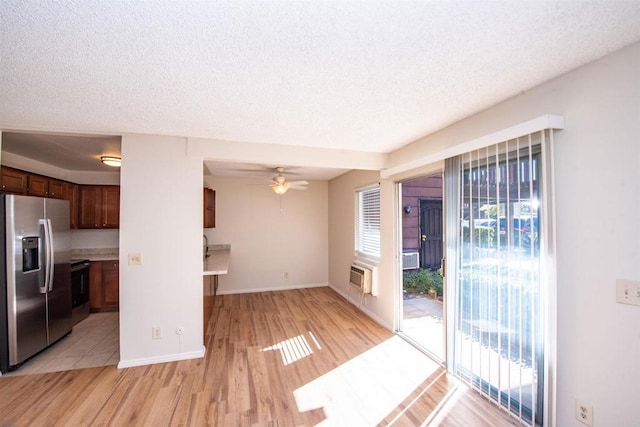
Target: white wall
(598, 233)
(267, 242)
(342, 243)
(161, 218)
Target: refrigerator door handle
(44, 249)
(52, 261)
(48, 250)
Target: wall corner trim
(546, 121)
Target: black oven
(80, 289)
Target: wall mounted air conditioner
(361, 278)
(410, 260)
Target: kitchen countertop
(218, 261)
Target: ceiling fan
(280, 185)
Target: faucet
(206, 246)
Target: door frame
(398, 271)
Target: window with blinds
(368, 222)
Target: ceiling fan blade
(298, 183)
(297, 187)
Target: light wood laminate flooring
(289, 358)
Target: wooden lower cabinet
(104, 286)
(210, 288)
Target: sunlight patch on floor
(294, 349)
(364, 390)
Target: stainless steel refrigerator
(35, 300)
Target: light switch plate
(135, 259)
(628, 292)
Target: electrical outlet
(628, 292)
(156, 333)
(286, 274)
(135, 259)
(584, 413)
(180, 330)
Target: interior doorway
(421, 319)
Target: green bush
(483, 236)
(420, 282)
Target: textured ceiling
(268, 172)
(369, 76)
(69, 152)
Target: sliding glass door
(496, 213)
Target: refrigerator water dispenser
(30, 258)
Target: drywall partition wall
(597, 173)
(342, 243)
(276, 242)
(161, 219)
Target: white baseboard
(161, 359)
(269, 289)
(380, 321)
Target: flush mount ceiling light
(111, 161)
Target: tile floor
(93, 342)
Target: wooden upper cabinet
(88, 211)
(38, 186)
(14, 181)
(111, 206)
(209, 214)
(71, 192)
(56, 188)
(99, 206)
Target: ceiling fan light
(280, 188)
(111, 161)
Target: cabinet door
(56, 190)
(38, 186)
(89, 212)
(209, 214)
(95, 286)
(110, 284)
(14, 181)
(111, 206)
(71, 192)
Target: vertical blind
(497, 338)
(368, 222)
